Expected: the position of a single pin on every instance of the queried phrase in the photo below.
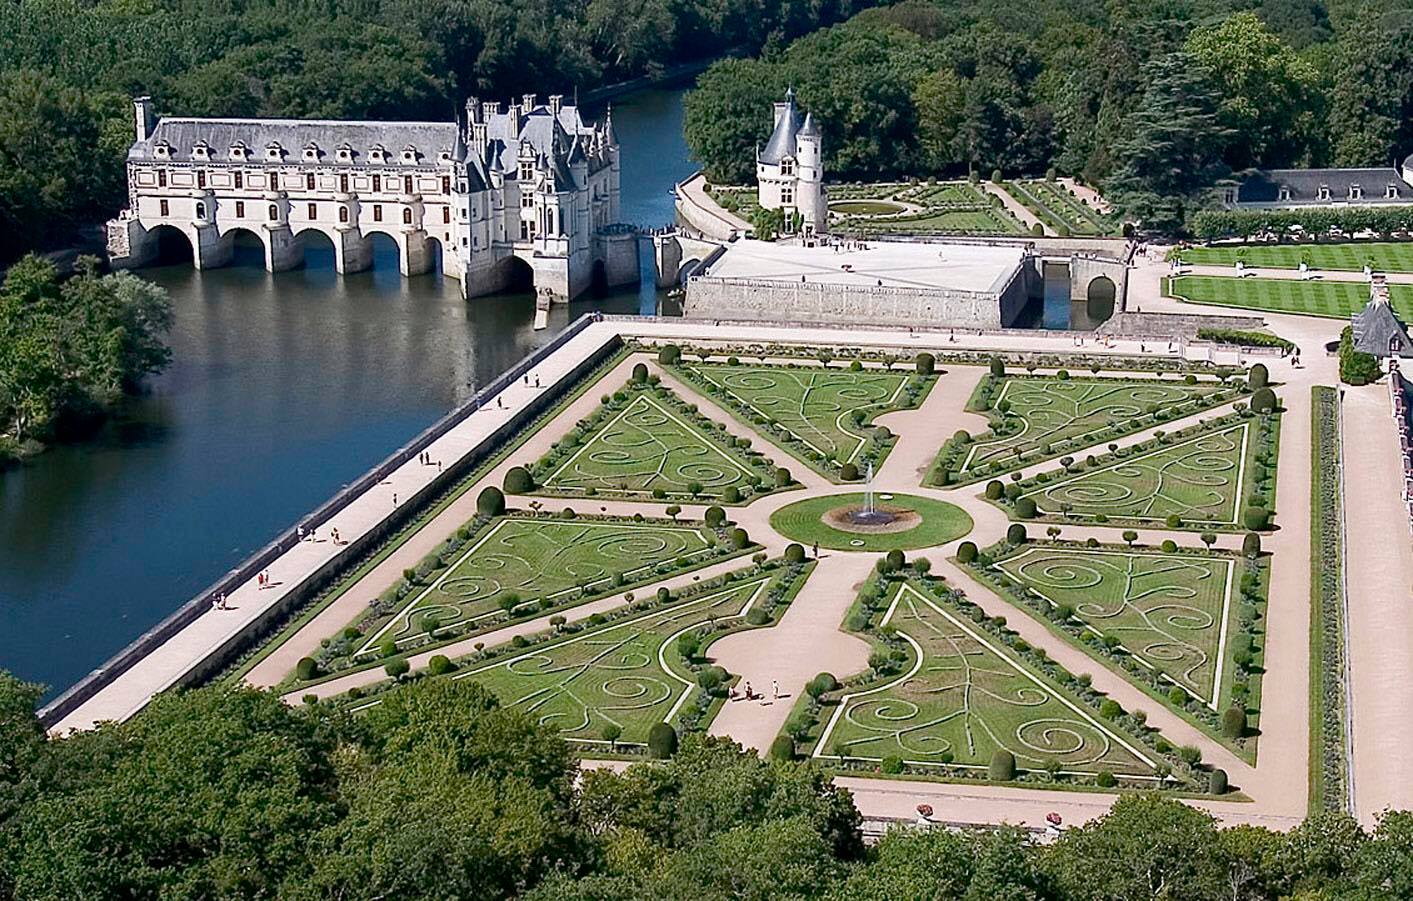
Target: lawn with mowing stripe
(1171, 612)
(627, 674)
(1385, 256)
(1337, 300)
(962, 696)
(524, 560)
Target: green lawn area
(646, 442)
(820, 415)
(964, 696)
(627, 673)
(1200, 480)
(1337, 300)
(866, 207)
(1053, 204)
(1171, 612)
(1387, 256)
(978, 221)
(1043, 412)
(948, 208)
(937, 522)
(538, 559)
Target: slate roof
(782, 140)
(1377, 329)
(1304, 184)
(182, 134)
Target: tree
(662, 741)
(397, 667)
(1002, 767)
(612, 732)
(714, 517)
(794, 553)
(1015, 534)
(782, 748)
(1209, 539)
(518, 481)
(490, 502)
(1130, 536)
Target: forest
(1154, 102)
(68, 69)
(440, 793)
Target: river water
(283, 388)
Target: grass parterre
(1382, 256)
(1331, 299)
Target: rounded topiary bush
(662, 741)
(1256, 518)
(966, 551)
(1251, 545)
(1002, 767)
(1015, 533)
(794, 553)
(1259, 377)
(730, 495)
(822, 683)
(1263, 401)
(440, 665)
(669, 354)
(518, 481)
(894, 560)
(739, 538)
(783, 748)
(1110, 709)
(891, 765)
(998, 366)
(714, 516)
(757, 617)
(994, 490)
(849, 472)
(1025, 508)
(926, 364)
(307, 668)
(1217, 782)
(490, 502)
(640, 373)
(1234, 721)
(397, 667)
(1105, 779)
(783, 478)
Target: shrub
(1256, 518)
(998, 366)
(1251, 545)
(994, 490)
(1105, 779)
(662, 741)
(439, 665)
(757, 617)
(669, 354)
(1356, 367)
(397, 667)
(1234, 721)
(1025, 508)
(739, 538)
(1258, 377)
(1217, 782)
(783, 479)
(640, 374)
(794, 553)
(849, 472)
(710, 678)
(688, 644)
(1190, 755)
(966, 551)
(1177, 695)
(926, 364)
(1169, 546)
(518, 481)
(891, 765)
(664, 594)
(307, 668)
(1110, 709)
(1002, 767)
(1015, 533)
(490, 502)
(783, 748)
(714, 516)
(730, 495)
(820, 684)
(1263, 401)
(387, 648)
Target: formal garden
(1061, 209)
(1217, 475)
(871, 522)
(952, 208)
(1035, 418)
(1352, 256)
(645, 442)
(823, 416)
(1331, 299)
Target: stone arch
(517, 275)
(317, 248)
(1099, 297)
(385, 249)
(434, 256)
(687, 269)
(244, 247)
(598, 279)
(171, 245)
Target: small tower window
(240, 209)
(787, 167)
(343, 214)
(407, 184)
(446, 184)
(406, 216)
(343, 184)
(377, 212)
(787, 195)
(446, 214)
(274, 182)
(200, 210)
(377, 183)
(240, 179)
(163, 208)
(313, 212)
(201, 178)
(309, 181)
(274, 212)
(161, 178)
(527, 170)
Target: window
(377, 212)
(527, 199)
(201, 178)
(1283, 194)
(200, 210)
(309, 181)
(343, 184)
(240, 209)
(524, 230)
(446, 184)
(406, 216)
(274, 181)
(1356, 192)
(787, 167)
(1324, 193)
(313, 212)
(527, 170)
(163, 208)
(161, 178)
(377, 183)
(787, 195)
(446, 214)
(274, 213)
(1391, 192)
(407, 184)
(240, 179)
(343, 214)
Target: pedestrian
(260, 580)
(223, 605)
(394, 498)
(816, 550)
(537, 380)
(300, 532)
(774, 690)
(500, 405)
(215, 602)
(748, 691)
(439, 466)
(527, 379)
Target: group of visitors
(750, 694)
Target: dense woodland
(68, 69)
(440, 793)
(1154, 101)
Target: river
(282, 388)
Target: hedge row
(1244, 338)
(1329, 763)
(1385, 221)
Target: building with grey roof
(525, 193)
(1295, 188)
(790, 169)
(1376, 329)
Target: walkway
(1016, 208)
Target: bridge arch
(317, 248)
(172, 245)
(1099, 296)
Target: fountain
(870, 515)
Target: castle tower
(810, 198)
(790, 169)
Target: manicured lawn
(646, 441)
(1387, 256)
(1199, 480)
(1044, 412)
(1171, 612)
(978, 221)
(1337, 300)
(948, 208)
(541, 559)
(824, 413)
(628, 673)
(1054, 205)
(865, 207)
(964, 696)
(938, 523)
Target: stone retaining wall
(1174, 325)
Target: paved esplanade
(808, 639)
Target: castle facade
(790, 170)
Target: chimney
(513, 112)
(556, 101)
(142, 117)
(490, 110)
(527, 103)
(474, 110)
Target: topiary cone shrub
(794, 553)
(1251, 545)
(820, 684)
(998, 366)
(1025, 508)
(1002, 767)
(490, 502)
(783, 748)
(739, 538)
(1015, 533)
(994, 490)
(966, 551)
(926, 364)
(894, 560)
(849, 472)
(640, 374)
(1234, 721)
(783, 479)
(518, 481)
(1258, 377)
(662, 741)
(439, 665)
(397, 667)
(1257, 519)
(1217, 782)
(1263, 401)
(714, 517)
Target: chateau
(790, 170)
(1297, 188)
(507, 196)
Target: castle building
(1281, 189)
(790, 169)
(530, 192)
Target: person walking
(774, 690)
(748, 691)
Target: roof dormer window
(311, 152)
(1283, 194)
(377, 154)
(239, 151)
(1324, 193)
(1356, 192)
(1391, 192)
(409, 155)
(201, 151)
(162, 150)
(274, 152)
(345, 153)
(444, 156)
(787, 166)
